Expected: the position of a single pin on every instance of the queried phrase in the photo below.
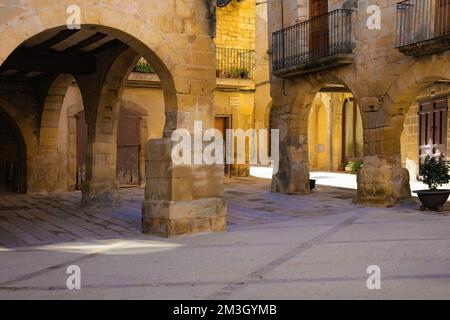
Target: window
(433, 127)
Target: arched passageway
(335, 133)
(100, 56)
(13, 167)
(321, 129)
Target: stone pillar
(181, 199)
(101, 187)
(49, 157)
(382, 182)
(293, 173)
(102, 93)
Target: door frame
(433, 102)
(228, 125)
(319, 31)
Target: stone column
(100, 187)
(102, 94)
(293, 173)
(181, 199)
(49, 157)
(382, 182)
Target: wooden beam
(61, 36)
(29, 60)
(109, 45)
(86, 42)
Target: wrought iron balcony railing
(423, 26)
(308, 42)
(235, 63)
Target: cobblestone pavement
(278, 246)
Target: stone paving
(44, 219)
(277, 247)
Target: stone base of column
(172, 218)
(291, 182)
(240, 170)
(101, 196)
(382, 183)
(40, 181)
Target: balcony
(423, 26)
(234, 63)
(235, 70)
(322, 42)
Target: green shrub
(143, 67)
(433, 171)
(355, 166)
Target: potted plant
(434, 171)
(354, 166)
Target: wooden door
(433, 128)
(319, 26)
(222, 124)
(442, 17)
(128, 148)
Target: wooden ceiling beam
(61, 36)
(29, 61)
(86, 42)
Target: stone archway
(383, 181)
(292, 118)
(418, 77)
(34, 19)
(179, 199)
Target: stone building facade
(143, 96)
(373, 52)
(43, 51)
(341, 90)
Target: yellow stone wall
(325, 131)
(236, 25)
(263, 100)
(235, 98)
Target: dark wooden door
(319, 36)
(81, 149)
(442, 17)
(129, 148)
(433, 128)
(222, 124)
